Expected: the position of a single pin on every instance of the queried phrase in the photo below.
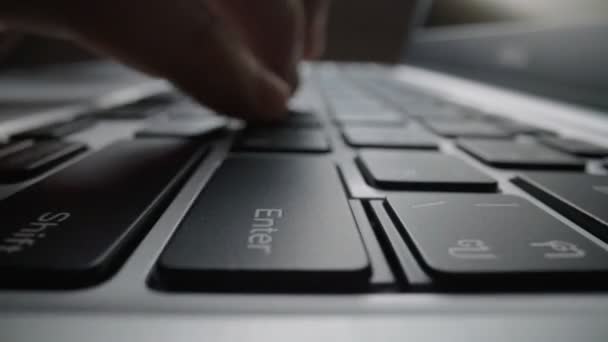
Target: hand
(238, 57)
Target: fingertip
(316, 40)
(317, 16)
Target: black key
(58, 130)
(268, 224)
(75, 227)
(575, 146)
(283, 140)
(425, 171)
(519, 155)
(467, 128)
(299, 119)
(37, 159)
(294, 119)
(461, 236)
(411, 137)
(581, 198)
(190, 128)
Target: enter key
(268, 224)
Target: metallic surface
(125, 309)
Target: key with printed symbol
(471, 249)
(492, 236)
(580, 197)
(555, 249)
(75, 227)
(268, 224)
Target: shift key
(75, 227)
(268, 224)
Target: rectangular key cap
(36, 159)
(582, 198)
(410, 137)
(425, 171)
(268, 224)
(58, 130)
(283, 140)
(75, 227)
(519, 155)
(460, 236)
(184, 128)
(575, 146)
(467, 128)
(294, 119)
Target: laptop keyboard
(378, 187)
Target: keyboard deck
(369, 186)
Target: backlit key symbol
(471, 249)
(560, 249)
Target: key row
(285, 240)
(239, 236)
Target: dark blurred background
(365, 30)
(368, 30)
(555, 48)
(465, 12)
